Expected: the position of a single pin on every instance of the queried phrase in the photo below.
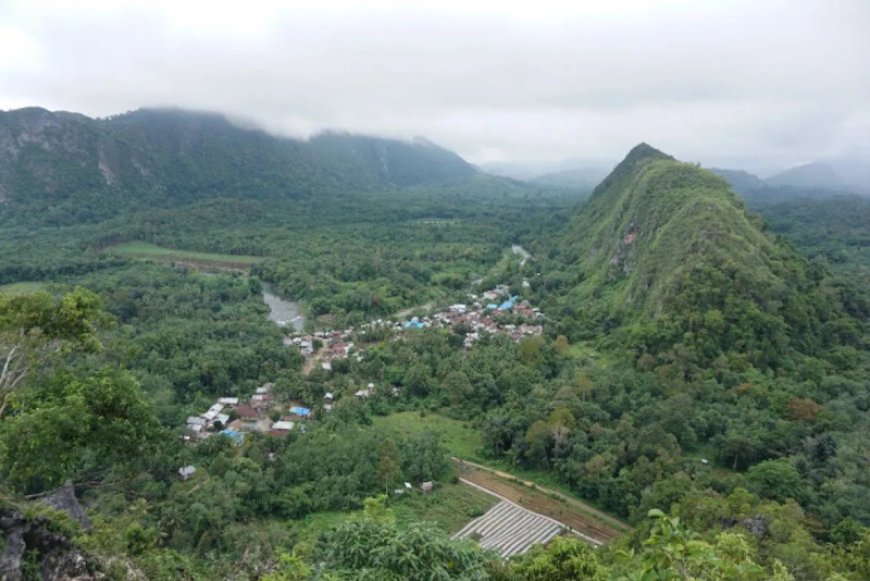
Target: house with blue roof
(237, 437)
(415, 323)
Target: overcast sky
(757, 83)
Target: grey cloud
(759, 84)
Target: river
(517, 249)
(283, 312)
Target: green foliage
(73, 317)
(73, 422)
(30, 569)
(834, 230)
(376, 549)
(563, 559)
(35, 327)
(289, 568)
(58, 422)
(191, 333)
(776, 479)
(424, 458)
(673, 552)
(389, 470)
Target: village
(232, 418)
(495, 312)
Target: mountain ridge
(809, 175)
(90, 169)
(816, 180)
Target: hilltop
(666, 255)
(65, 168)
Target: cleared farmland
(570, 514)
(204, 260)
(509, 529)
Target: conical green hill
(667, 256)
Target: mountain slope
(667, 256)
(68, 168)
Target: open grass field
(147, 251)
(311, 526)
(457, 436)
(449, 506)
(21, 288)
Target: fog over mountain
(760, 86)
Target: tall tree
(35, 327)
(388, 463)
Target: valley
(624, 369)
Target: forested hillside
(60, 168)
(664, 254)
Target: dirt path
(586, 520)
(409, 311)
(309, 365)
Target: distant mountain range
(811, 180)
(816, 179)
(570, 173)
(69, 168)
(64, 168)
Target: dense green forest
(702, 373)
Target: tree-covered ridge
(667, 254)
(832, 232)
(64, 168)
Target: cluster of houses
(484, 314)
(324, 346)
(369, 390)
(233, 418)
